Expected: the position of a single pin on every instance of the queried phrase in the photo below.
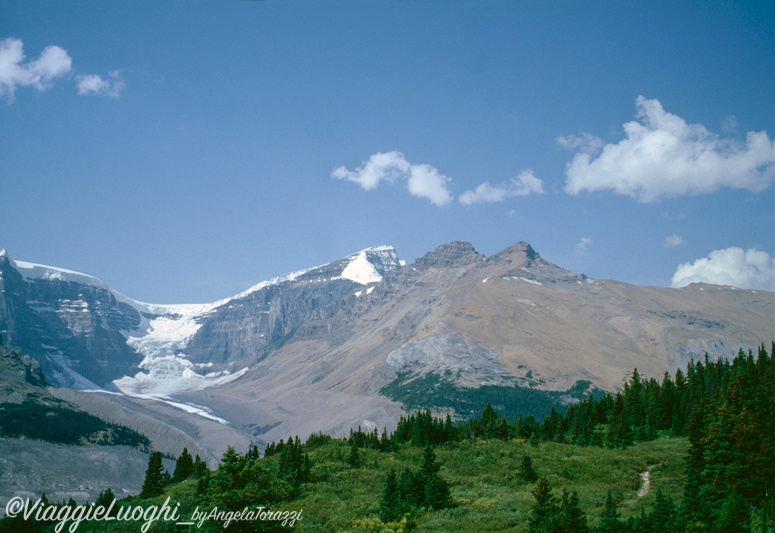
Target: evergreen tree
(436, 490)
(437, 494)
(354, 458)
(105, 499)
(544, 515)
(154, 477)
(663, 517)
(390, 506)
(184, 466)
(572, 518)
(609, 519)
(200, 467)
(526, 471)
(411, 488)
(734, 515)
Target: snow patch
(360, 270)
(534, 282)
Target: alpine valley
(361, 341)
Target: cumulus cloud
(581, 247)
(94, 84)
(746, 269)
(524, 184)
(674, 240)
(16, 71)
(663, 156)
(423, 181)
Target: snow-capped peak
(360, 270)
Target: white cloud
(581, 247)
(94, 84)
(524, 184)
(587, 143)
(674, 240)
(746, 269)
(662, 156)
(15, 72)
(422, 180)
(426, 182)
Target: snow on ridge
(37, 271)
(360, 270)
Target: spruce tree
(544, 515)
(435, 489)
(184, 466)
(609, 519)
(572, 518)
(663, 517)
(390, 506)
(437, 493)
(200, 467)
(354, 458)
(526, 471)
(154, 477)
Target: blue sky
(184, 151)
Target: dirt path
(645, 478)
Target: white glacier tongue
(166, 369)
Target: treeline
(725, 407)
(63, 425)
(415, 392)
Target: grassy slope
(488, 496)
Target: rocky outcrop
(72, 328)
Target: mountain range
(361, 340)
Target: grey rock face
(465, 361)
(245, 329)
(73, 329)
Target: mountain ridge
(343, 344)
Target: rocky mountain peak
(523, 261)
(454, 253)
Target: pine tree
(526, 471)
(184, 466)
(154, 477)
(572, 518)
(663, 517)
(544, 515)
(354, 459)
(105, 499)
(609, 519)
(390, 507)
(411, 488)
(200, 467)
